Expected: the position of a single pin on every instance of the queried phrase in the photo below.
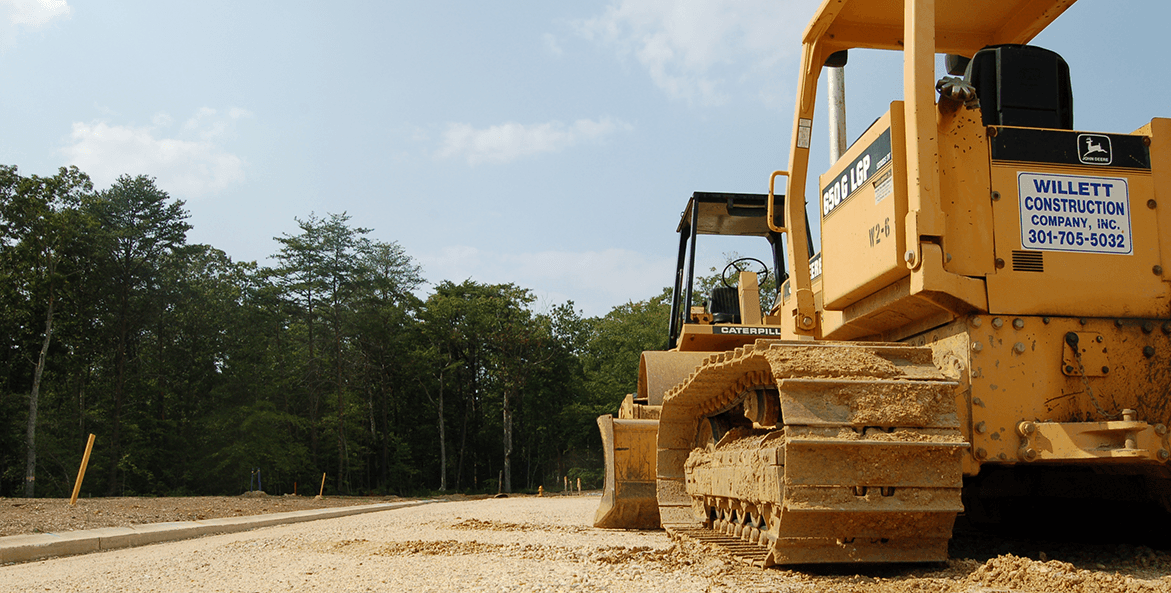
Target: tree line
(195, 371)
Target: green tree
(471, 330)
(383, 327)
(550, 430)
(615, 344)
(208, 368)
(140, 226)
(339, 281)
(299, 278)
(518, 349)
(43, 234)
(247, 416)
(510, 374)
(452, 325)
(184, 358)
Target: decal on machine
(804, 132)
(879, 231)
(1075, 213)
(747, 331)
(814, 273)
(854, 177)
(1035, 145)
(884, 186)
(815, 266)
(1094, 149)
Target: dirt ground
(527, 540)
(50, 515)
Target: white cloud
(507, 142)
(691, 49)
(596, 281)
(191, 164)
(28, 14)
(551, 44)
(34, 13)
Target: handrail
(771, 184)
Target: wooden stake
(81, 471)
(322, 493)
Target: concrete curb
(23, 548)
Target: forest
(199, 374)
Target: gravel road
(530, 544)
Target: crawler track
(754, 554)
(854, 455)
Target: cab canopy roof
(728, 214)
(961, 26)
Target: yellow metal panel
(707, 338)
(961, 26)
(862, 214)
(1086, 356)
(953, 292)
(1123, 285)
(1017, 374)
(748, 292)
(1117, 440)
(1159, 131)
(922, 168)
(803, 313)
(964, 178)
(890, 313)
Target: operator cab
(731, 316)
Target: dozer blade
(628, 498)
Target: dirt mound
(1016, 573)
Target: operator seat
(1022, 85)
(724, 305)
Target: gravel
(547, 544)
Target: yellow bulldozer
(987, 322)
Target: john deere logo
(1094, 149)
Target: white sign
(885, 186)
(1075, 213)
(804, 132)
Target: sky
(548, 144)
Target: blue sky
(549, 144)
